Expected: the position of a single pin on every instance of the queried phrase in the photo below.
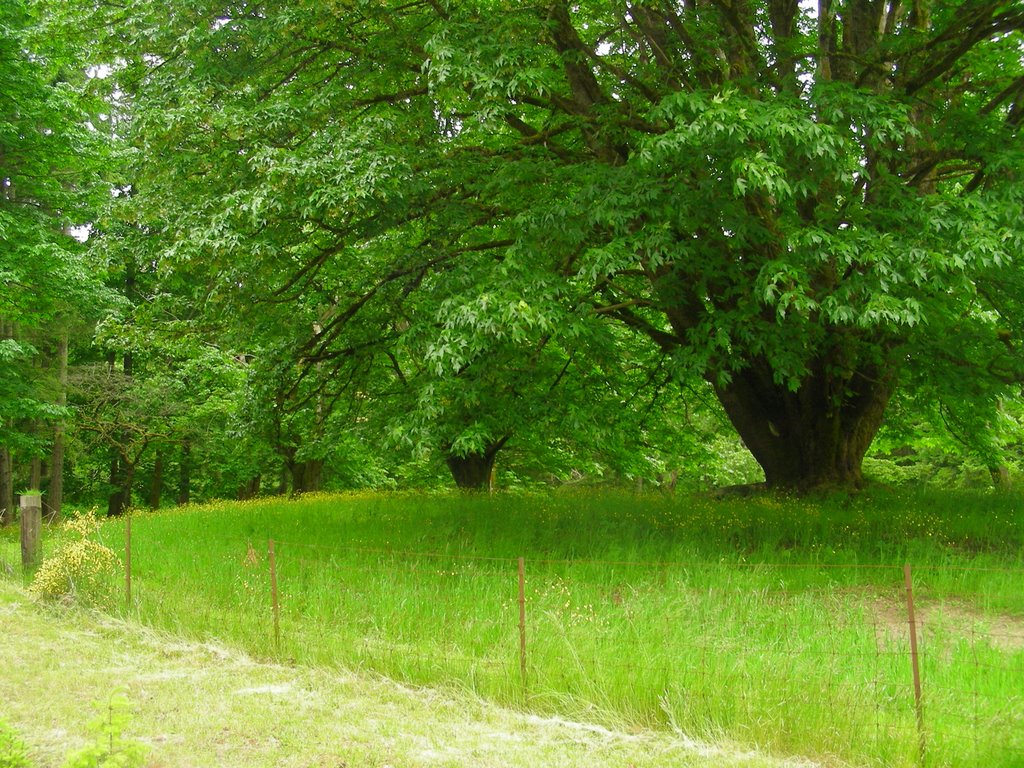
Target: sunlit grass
(771, 622)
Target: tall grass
(771, 622)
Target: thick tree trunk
(185, 475)
(307, 476)
(1000, 476)
(282, 481)
(54, 500)
(475, 471)
(6, 487)
(816, 435)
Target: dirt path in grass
(202, 705)
(890, 622)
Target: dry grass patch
(202, 704)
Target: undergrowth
(13, 752)
(81, 568)
(109, 747)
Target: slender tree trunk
(7, 512)
(35, 474)
(121, 499)
(668, 480)
(122, 472)
(250, 489)
(1000, 476)
(185, 475)
(157, 484)
(131, 294)
(126, 490)
(6, 487)
(113, 480)
(813, 436)
(115, 503)
(475, 471)
(54, 500)
(282, 481)
(122, 479)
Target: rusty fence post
(915, 665)
(128, 561)
(522, 622)
(275, 605)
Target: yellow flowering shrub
(81, 569)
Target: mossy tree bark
(474, 471)
(812, 436)
(307, 476)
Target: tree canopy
(49, 159)
(454, 226)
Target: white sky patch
(80, 232)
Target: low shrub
(110, 749)
(81, 569)
(13, 753)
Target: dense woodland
(278, 246)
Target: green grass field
(771, 623)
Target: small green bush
(109, 748)
(81, 569)
(13, 753)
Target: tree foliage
(460, 212)
(49, 160)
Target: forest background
(273, 247)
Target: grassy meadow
(765, 623)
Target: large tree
(808, 206)
(790, 201)
(48, 181)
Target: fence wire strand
(580, 633)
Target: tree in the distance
(49, 182)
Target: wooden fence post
(922, 744)
(274, 603)
(522, 622)
(31, 527)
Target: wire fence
(869, 664)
